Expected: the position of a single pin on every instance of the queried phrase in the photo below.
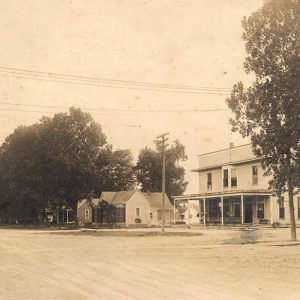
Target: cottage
(233, 190)
(125, 208)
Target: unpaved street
(220, 264)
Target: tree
(72, 143)
(114, 170)
(20, 175)
(268, 111)
(50, 163)
(149, 165)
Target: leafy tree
(114, 170)
(72, 144)
(19, 173)
(268, 111)
(149, 168)
(50, 163)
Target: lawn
(207, 264)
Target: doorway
(248, 211)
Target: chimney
(231, 145)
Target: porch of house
(231, 208)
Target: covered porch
(238, 207)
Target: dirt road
(220, 264)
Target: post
(242, 209)
(204, 212)
(189, 212)
(67, 216)
(222, 211)
(163, 191)
(162, 146)
(174, 217)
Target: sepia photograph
(149, 149)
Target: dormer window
(209, 181)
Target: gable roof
(107, 196)
(122, 197)
(155, 200)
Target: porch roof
(265, 192)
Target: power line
(108, 109)
(93, 81)
(7, 69)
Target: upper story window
(209, 181)
(254, 175)
(225, 178)
(233, 177)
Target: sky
(188, 42)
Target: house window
(233, 177)
(137, 212)
(225, 178)
(260, 210)
(281, 208)
(298, 207)
(151, 216)
(254, 175)
(86, 214)
(209, 181)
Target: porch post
(242, 209)
(200, 211)
(222, 211)
(67, 216)
(188, 211)
(204, 212)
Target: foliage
(50, 163)
(149, 167)
(114, 170)
(268, 111)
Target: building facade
(125, 208)
(234, 190)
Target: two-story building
(233, 190)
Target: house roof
(107, 196)
(122, 197)
(155, 200)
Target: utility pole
(161, 146)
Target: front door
(248, 211)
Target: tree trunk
(76, 224)
(292, 215)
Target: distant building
(127, 208)
(233, 190)
(189, 213)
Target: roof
(107, 196)
(122, 197)
(94, 201)
(155, 200)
